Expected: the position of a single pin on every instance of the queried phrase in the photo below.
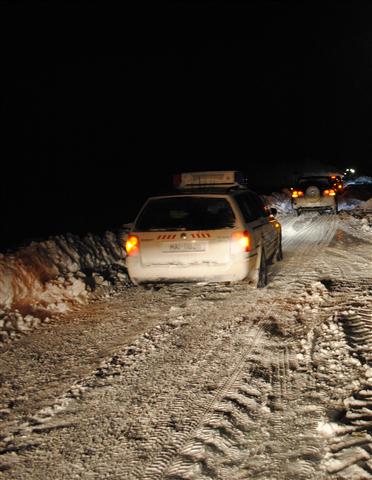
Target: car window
(259, 205)
(251, 206)
(185, 213)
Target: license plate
(185, 247)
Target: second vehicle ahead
(212, 228)
(315, 193)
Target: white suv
(212, 228)
(317, 193)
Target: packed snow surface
(194, 381)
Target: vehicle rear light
(329, 193)
(132, 245)
(297, 193)
(243, 239)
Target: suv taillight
(243, 239)
(132, 245)
(329, 193)
(297, 193)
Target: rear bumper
(239, 269)
(328, 203)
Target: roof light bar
(226, 178)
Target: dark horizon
(100, 105)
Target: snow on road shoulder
(223, 382)
(50, 277)
(280, 200)
(358, 220)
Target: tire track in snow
(220, 434)
(229, 442)
(189, 461)
(118, 365)
(157, 468)
(351, 445)
(308, 231)
(220, 429)
(213, 428)
(302, 247)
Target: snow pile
(366, 224)
(367, 206)
(349, 204)
(357, 221)
(354, 204)
(359, 180)
(280, 200)
(50, 277)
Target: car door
(256, 214)
(270, 233)
(251, 217)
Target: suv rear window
(320, 182)
(185, 213)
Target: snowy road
(206, 381)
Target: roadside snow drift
(280, 200)
(50, 277)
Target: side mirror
(273, 211)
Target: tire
(298, 211)
(312, 192)
(262, 272)
(279, 251)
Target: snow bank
(357, 208)
(52, 276)
(349, 204)
(366, 224)
(46, 278)
(366, 205)
(280, 200)
(359, 180)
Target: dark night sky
(89, 93)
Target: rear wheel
(262, 272)
(277, 256)
(279, 251)
(298, 211)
